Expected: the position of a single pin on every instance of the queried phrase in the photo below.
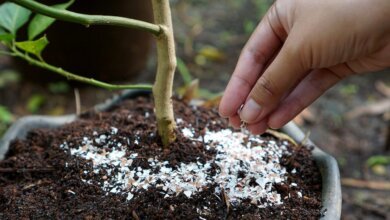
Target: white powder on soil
(248, 167)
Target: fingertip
(222, 113)
(277, 120)
(222, 109)
(275, 126)
(257, 128)
(226, 108)
(235, 121)
(235, 94)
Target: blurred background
(351, 121)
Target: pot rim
(331, 187)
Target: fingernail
(250, 111)
(221, 115)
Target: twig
(368, 207)
(88, 20)
(2, 52)
(281, 136)
(375, 185)
(39, 182)
(376, 108)
(387, 143)
(383, 88)
(134, 215)
(71, 76)
(77, 100)
(226, 200)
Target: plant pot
(101, 52)
(331, 191)
(331, 186)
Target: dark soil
(40, 180)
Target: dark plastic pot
(105, 53)
(331, 189)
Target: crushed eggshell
(248, 166)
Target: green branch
(88, 20)
(71, 76)
(2, 52)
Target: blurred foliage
(225, 37)
(6, 118)
(209, 53)
(5, 115)
(191, 90)
(379, 170)
(262, 6)
(184, 72)
(35, 102)
(342, 161)
(200, 60)
(378, 160)
(56, 111)
(249, 26)
(349, 90)
(59, 87)
(7, 77)
(336, 118)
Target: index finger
(260, 48)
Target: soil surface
(40, 178)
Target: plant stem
(88, 20)
(162, 89)
(2, 52)
(71, 76)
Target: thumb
(282, 75)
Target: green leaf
(59, 87)
(349, 90)
(249, 26)
(184, 72)
(378, 160)
(34, 47)
(207, 94)
(13, 16)
(5, 36)
(41, 22)
(7, 77)
(35, 102)
(5, 116)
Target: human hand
(300, 49)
